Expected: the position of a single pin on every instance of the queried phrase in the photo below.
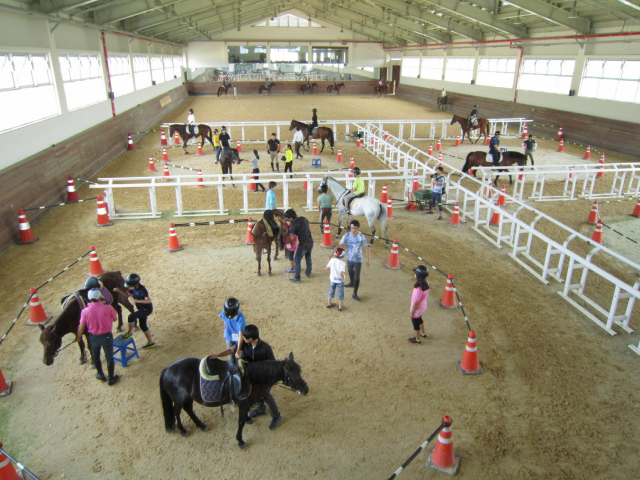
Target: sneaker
(423, 336)
(294, 279)
(257, 412)
(308, 275)
(291, 270)
(127, 336)
(275, 422)
(411, 340)
(149, 345)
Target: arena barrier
(21, 468)
(418, 451)
(558, 262)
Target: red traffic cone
(239, 147)
(130, 145)
(7, 472)
(636, 211)
(375, 142)
(597, 235)
(152, 165)
(455, 218)
(457, 141)
(358, 143)
(443, 457)
(561, 146)
(200, 179)
(470, 172)
(593, 214)
(94, 263)
(394, 259)
(525, 133)
(163, 138)
(174, 244)
(449, 299)
(36, 310)
(327, 241)
(495, 219)
(5, 389)
(176, 138)
(72, 195)
(200, 152)
(386, 135)
(103, 215)
(352, 163)
(416, 184)
(587, 154)
(389, 209)
(600, 174)
(166, 170)
(560, 135)
(165, 157)
(411, 205)
(570, 172)
(439, 145)
(521, 176)
(384, 195)
(315, 149)
(488, 142)
(252, 185)
(470, 364)
(249, 238)
(502, 200)
(430, 152)
(339, 158)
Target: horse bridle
(55, 354)
(289, 385)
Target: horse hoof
(186, 153)
(269, 274)
(184, 434)
(249, 421)
(242, 445)
(203, 428)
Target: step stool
(316, 163)
(121, 347)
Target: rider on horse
(224, 83)
(191, 123)
(335, 84)
(309, 84)
(443, 94)
(357, 190)
(494, 149)
(314, 122)
(380, 85)
(473, 116)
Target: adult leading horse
(69, 320)
(320, 133)
(379, 90)
(224, 90)
(483, 127)
(262, 241)
(263, 88)
(479, 159)
(333, 88)
(443, 103)
(306, 87)
(369, 207)
(180, 386)
(204, 132)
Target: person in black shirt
(300, 227)
(224, 139)
(473, 116)
(529, 147)
(145, 308)
(273, 148)
(314, 122)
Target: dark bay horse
(69, 320)
(227, 159)
(379, 90)
(305, 87)
(263, 88)
(262, 240)
(479, 159)
(204, 132)
(443, 103)
(224, 90)
(180, 386)
(321, 133)
(332, 88)
(483, 127)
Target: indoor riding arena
(529, 365)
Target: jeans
(528, 154)
(218, 150)
(436, 199)
(495, 153)
(271, 403)
(303, 251)
(104, 342)
(332, 290)
(192, 130)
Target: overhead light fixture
(573, 13)
(517, 20)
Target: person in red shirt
(98, 319)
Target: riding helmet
(475, 106)
(497, 133)
(339, 253)
(92, 282)
(421, 271)
(191, 110)
(356, 171)
(224, 129)
(132, 280)
(314, 110)
(231, 307)
(94, 295)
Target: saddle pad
(78, 298)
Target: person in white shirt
(298, 138)
(337, 268)
(191, 123)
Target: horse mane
(300, 123)
(257, 372)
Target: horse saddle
(353, 203)
(221, 381)
(270, 223)
(313, 131)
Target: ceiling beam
(553, 14)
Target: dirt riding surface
(558, 399)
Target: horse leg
(269, 258)
(83, 357)
(322, 146)
(188, 407)
(177, 408)
(373, 230)
(243, 417)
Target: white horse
(370, 207)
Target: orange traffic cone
(152, 165)
(439, 145)
(358, 143)
(561, 146)
(416, 185)
(7, 472)
(249, 238)
(502, 200)
(411, 205)
(94, 264)
(394, 259)
(200, 152)
(352, 163)
(449, 299)
(174, 244)
(525, 133)
(443, 457)
(252, 185)
(315, 149)
(384, 195)
(570, 172)
(455, 218)
(327, 241)
(636, 211)
(495, 219)
(389, 209)
(5, 389)
(587, 154)
(72, 195)
(600, 174)
(165, 157)
(470, 364)
(166, 170)
(239, 147)
(163, 138)
(521, 176)
(339, 158)
(176, 138)
(36, 310)
(304, 185)
(457, 141)
(26, 234)
(130, 145)
(593, 214)
(560, 135)
(103, 215)
(201, 180)
(597, 235)
(440, 159)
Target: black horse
(227, 159)
(263, 88)
(180, 386)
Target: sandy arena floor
(559, 397)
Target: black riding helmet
(231, 307)
(421, 271)
(356, 171)
(315, 110)
(132, 280)
(92, 282)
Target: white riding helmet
(94, 295)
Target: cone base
(594, 223)
(454, 224)
(634, 215)
(467, 372)
(248, 243)
(18, 242)
(451, 471)
(393, 268)
(327, 246)
(8, 390)
(104, 224)
(447, 307)
(171, 250)
(35, 324)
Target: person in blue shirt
(234, 323)
(355, 241)
(494, 149)
(271, 196)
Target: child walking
(288, 160)
(336, 267)
(419, 303)
(290, 247)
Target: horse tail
(382, 218)
(330, 137)
(167, 406)
(466, 166)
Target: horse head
(235, 156)
(293, 376)
(324, 181)
(294, 124)
(453, 120)
(51, 342)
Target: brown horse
(204, 132)
(262, 240)
(443, 103)
(69, 320)
(483, 126)
(224, 90)
(321, 133)
(263, 88)
(378, 91)
(479, 159)
(305, 87)
(227, 159)
(332, 88)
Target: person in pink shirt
(290, 248)
(419, 303)
(98, 319)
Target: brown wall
(42, 178)
(602, 133)
(251, 88)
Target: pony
(69, 320)
(443, 103)
(378, 91)
(331, 88)
(483, 127)
(180, 386)
(224, 90)
(479, 159)
(370, 207)
(204, 132)
(304, 87)
(263, 88)
(262, 241)
(227, 159)
(320, 133)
